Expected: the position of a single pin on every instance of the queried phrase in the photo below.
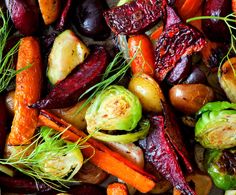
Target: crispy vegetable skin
(160, 152)
(176, 41)
(101, 155)
(67, 92)
(221, 166)
(134, 17)
(28, 90)
(24, 14)
(117, 189)
(216, 123)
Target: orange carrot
(117, 189)
(28, 87)
(157, 33)
(101, 155)
(141, 46)
(188, 8)
(234, 6)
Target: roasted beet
(161, 154)
(196, 76)
(89, 18)
(66, 92)
(180, 71)
(61, 24)
(87, 189)
(134, 17)
(22, 185)
(176, 41)
(216, 30)
(24, 14)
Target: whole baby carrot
(28, 88)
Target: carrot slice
(28, 87)
(140, 47)
(234, 6)
(117, 189)
(101, 155)
(157, 33)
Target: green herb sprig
(30, 159)
(115, 71)
(229, 20)
(7, 71)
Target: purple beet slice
(176, 41)
(161, 154)
(67, 91)
(134, 17)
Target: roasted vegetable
(227, 79)
(202, 184)
(51, 158)
(189, 98)
(180, 71)
(161, 154)
(221, 166)
(101, 155)
(64, 16)
(67, 92)
(67, 52)
(115, 108)
(117, 189)
(50, 10)
(22, 185)
(141, 49)
(134, 17)
(216, 30)
(24, 14)
(28, 90)
(215, 127)
(148, 91)
(176, 41)
(89, 19)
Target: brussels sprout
(67, 52)
(216, 125)
(115, 108)
(221, 166)
(59, 158)
(127, 137)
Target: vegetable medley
(143, 91)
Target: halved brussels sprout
(67, 52)
(59, 158)
(221, 167)
(115, 108)
(216, 125)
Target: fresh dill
(115, 71)
(228, 20)
(7, 71)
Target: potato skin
(148, 92)
(189, 98)
(228, 80)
